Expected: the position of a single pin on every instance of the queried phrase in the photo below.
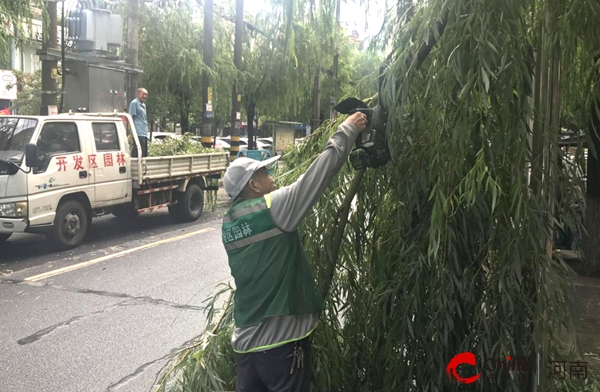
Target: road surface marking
(84, 264)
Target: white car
(158, 137)
(222, 144)
(267, 143)
(261, 143)
(225, 142)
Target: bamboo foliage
(447, 248)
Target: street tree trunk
(184, 122)
(250, 112)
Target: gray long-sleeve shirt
(289, 206)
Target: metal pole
(317, 101)
(207, 119)
(236, 98)
(63, 69)
(133, 18)
(336, 59)
(49, 63)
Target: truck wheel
(70, 225)
(4, 237)
(190, 205)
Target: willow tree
(284, 48)
(280, 58)
(171, 55)
(448, 248)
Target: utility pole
(236, 98)
(49, 63)
(317, 101)
(63, 70)
(207, 119)
(133, 17)
(336, 59)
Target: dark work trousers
(143, 144)
(269, 370)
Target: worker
(276, 303)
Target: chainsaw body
(372, 149)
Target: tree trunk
(184, 122)
(591, 245)
(48, 65)
(250, 112)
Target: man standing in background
(137, 110)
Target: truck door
(62, 169)
(110, 163)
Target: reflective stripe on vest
(248, 222)
(253, 239)
(244, 211)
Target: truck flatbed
(155, 169)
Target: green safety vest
(270, 269)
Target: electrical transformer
(95, 30)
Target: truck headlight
(13, 210)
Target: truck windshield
(15, 133)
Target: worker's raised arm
(290, 204)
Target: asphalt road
(105, 316)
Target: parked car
(159, 137)
(225, 143)
(266, 143)
(221, 144)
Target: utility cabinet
(92, 88)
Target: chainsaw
(372, 148)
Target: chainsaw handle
(366, 111)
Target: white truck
(58, 172)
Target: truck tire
(4, 237)
(70, 225)
(189, 205)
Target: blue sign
(208, 114)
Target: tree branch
(338, 235)
(426, 47)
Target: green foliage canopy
(171, 55)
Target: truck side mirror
(31, 155)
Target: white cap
(240, 171)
